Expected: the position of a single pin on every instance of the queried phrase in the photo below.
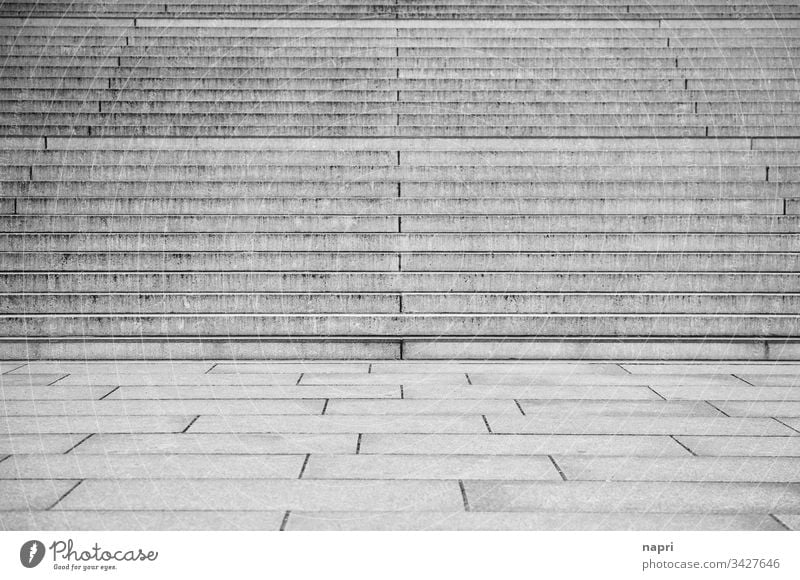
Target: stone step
(384, 206)
(204, 302)
(401, 242)
(392, 325)
(246, 261)
(296, 224)
(157, 281)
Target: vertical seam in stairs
(285, 521)
(358, 444)
(521, 410)
(325, 406)
(713, 406)
(89, 436)
(486, 422)
(784, 526)
(784, 424)
(303, 467)
(464, 499)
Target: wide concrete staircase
(620, 183)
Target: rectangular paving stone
(223, 407)
(759, 408)
(528, 392)
(28, 379)
(429, 467)
(340, 424)
(782, 380)
(169, 379)
(117, 467)
(628, 425)
(38, 443)
(94, 424)
(420, 407)
(288, 367)
(167, 520)
(478, 521)
(54, 393)
(742, 446)
(494, 444)
(177, 368)
(250, 392)
(638, 497)
(600, 380)
(727, 393)
(378, 379)
(769, 368)
(19, 494)
(266, 495)
(727, 469)
(514, 367)
(256, 444)
(571, 409)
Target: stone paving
(399, 445)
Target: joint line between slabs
(662, 397)
(285, 520)
(486, 422)
(780, 522)
(624, 369)
(4, 458)
(784, 424)
(303, 468)
(464, 495)
(112, 391)
(69, 491)
(23, 364)
(741, 379)
(211, 369)
(521, 410)
(300, 378)
(469, 380)
(58, 379)
(358, 444)
(325, 406)
(675, 439)
(79, 442)
(713, 406)
(558, 467)
(185, 429)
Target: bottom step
(645, 348)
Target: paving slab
(265, 495)
(29, 379)
(485, 521)
(420, 407)
(581, 392)
(784, 409)
(121, 467)
(377, 379)
(37, 425)
(498, 444)
(767, 368)
(20, 494)
(773, 380)
(601, 380)
(223, 444)
(342, 424)
(742, 446)
(399, 467)
(511, 367)
(704, 469)
(727, 393)
(251, 392)
(38, 443)
(636, 497)
(141, 368)
(627, 425)
(191, 407)
(166, 520)
(274, 367)
(570, 410)
(170, 378)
